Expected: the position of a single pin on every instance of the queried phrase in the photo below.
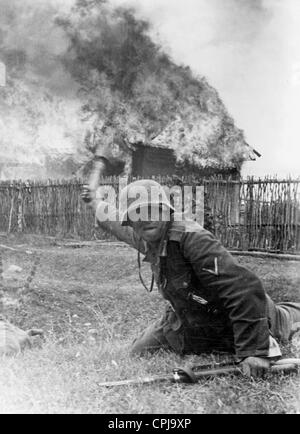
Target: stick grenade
(98, 168)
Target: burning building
(96, 73)
(182, 148)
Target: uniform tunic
(215, 303)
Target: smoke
(81, 67)
(31, 42)
(207, 35)
(249, 51)
(39, 106)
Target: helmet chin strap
(162, 250)
(140, 274)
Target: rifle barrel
(283, 365)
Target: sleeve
(107, 217)
(238, 290)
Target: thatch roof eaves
(206, 139)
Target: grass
(91, 305)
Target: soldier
(215, 304)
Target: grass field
(91, 305)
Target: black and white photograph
(149, 209)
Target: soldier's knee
(143, 347)
(135, 350)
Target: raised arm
(107, 217)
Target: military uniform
(214, 303)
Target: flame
(82, 69)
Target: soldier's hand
(87, 195)
(14, 340)
(255, 366)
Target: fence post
(20, 209)
(199, 205)
(10, 214)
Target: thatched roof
(201, 139)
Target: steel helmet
(142, 193)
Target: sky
(249, 51)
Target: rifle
(195, 373)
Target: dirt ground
(87, 298)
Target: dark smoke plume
(77, 68)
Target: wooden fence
(245, 214)
(256, 214)
(53, 208)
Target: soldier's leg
(152, 339)
(166, 334)
(284, 319)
